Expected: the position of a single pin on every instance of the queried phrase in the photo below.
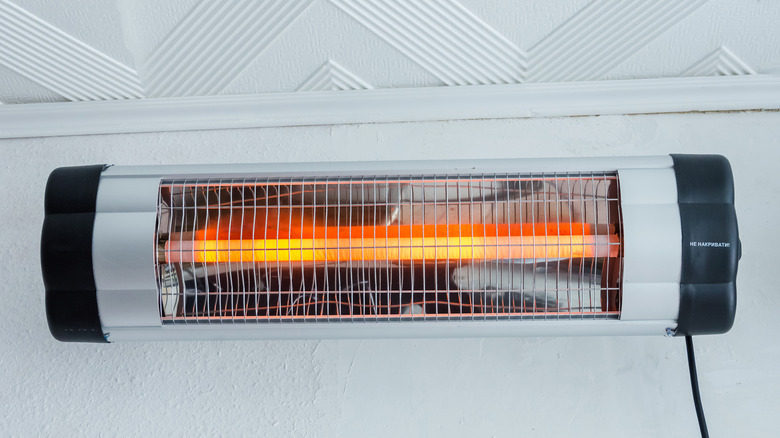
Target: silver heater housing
(524, 247)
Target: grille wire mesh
(471, 247)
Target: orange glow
(466, 230)
(404, 243)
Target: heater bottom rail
(391, 330)
(397, 318)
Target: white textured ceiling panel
(67, 66)
(129, 49)
(15, 88)
(329, 34)
(748, 29)
(524, 22)
(97, 23)
(146, 23)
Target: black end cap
(66, 254)
(710, 244)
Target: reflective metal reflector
(523, 246)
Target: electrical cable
(695, 387)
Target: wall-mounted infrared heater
(396, 249)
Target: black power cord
(695, 387)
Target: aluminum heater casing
(676, 240)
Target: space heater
(592, 246)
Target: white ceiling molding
(444, 38)
(42, 53)
(332, 77)
(393, 105)
(721, 62)
(214, 43)
(602, 35)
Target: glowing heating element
(375, 245)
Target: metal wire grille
(531, 246)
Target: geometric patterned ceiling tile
(442, 37)
(49, 57)
(720, 62)
(321, 33)
(90, 49)
(524, 22)
(331, 77)
(601, 36)
(17, 89)
(146, 23)
(214, 43)
(99, 24)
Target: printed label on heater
(712, 244)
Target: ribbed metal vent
(531, 246)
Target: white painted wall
(590, 387)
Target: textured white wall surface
(590, 387)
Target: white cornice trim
(636, 96)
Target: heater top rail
(476, 177)
(380, 168)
